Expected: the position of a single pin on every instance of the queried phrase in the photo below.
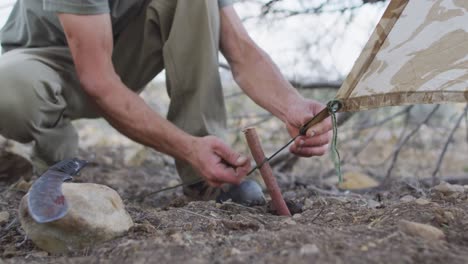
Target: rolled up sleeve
(79, 7)
(223, 3)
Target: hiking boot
(248, 193)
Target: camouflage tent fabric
(418, 54)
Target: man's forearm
(262, 81)
(130, 115)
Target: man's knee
(24, 101)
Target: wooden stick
(266, 171)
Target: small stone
(173, 183)
(424, 231)
(448, 189)
(364, 248)
(177, 238)
(407, 198)
(39, 254)
(232, 252)
(422, 201)
(372, 244)
(4, 216)
(373, 204)
(289, 221)
(449, 216)
(309, 250)
(106, 160)
(297, 216)
(289, 195)
(23, 185)
(96, 213)
(308, 204)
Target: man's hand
(218, 163)
(315, 143)
(262, 81)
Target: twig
(22, 242)
(447, 143)
(330, 193)
(404, 141)
(389, 118)
(318, 214)
(197, 214)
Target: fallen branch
(406, 110)
(447, 143)
(404, 141)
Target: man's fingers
(309, 151)
(316, 141)
(223, 173)
(320, 128)
(243, 170)
(227, 154)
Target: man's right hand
(218, 163)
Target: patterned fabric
(418, 54)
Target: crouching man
(70, 59)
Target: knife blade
(46, 202)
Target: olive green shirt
(34, 23)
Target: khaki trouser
(40, 93)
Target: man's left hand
(316, 141)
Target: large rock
(96, 214)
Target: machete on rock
(46, 202)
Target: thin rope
(201, 180)
(332, 107)
(335, 155)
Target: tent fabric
(418, 54)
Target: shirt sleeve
(79, 7)
(223, 3)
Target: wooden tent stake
(266, 171)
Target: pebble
(308, 204)
(297, 216)
(422, 201)
(372, 204)
(289, 221)
(235, 251)
(423, 231)
(4, 216)
(23, 185)
(407, 198)
(309, 250)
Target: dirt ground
(330, 226)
